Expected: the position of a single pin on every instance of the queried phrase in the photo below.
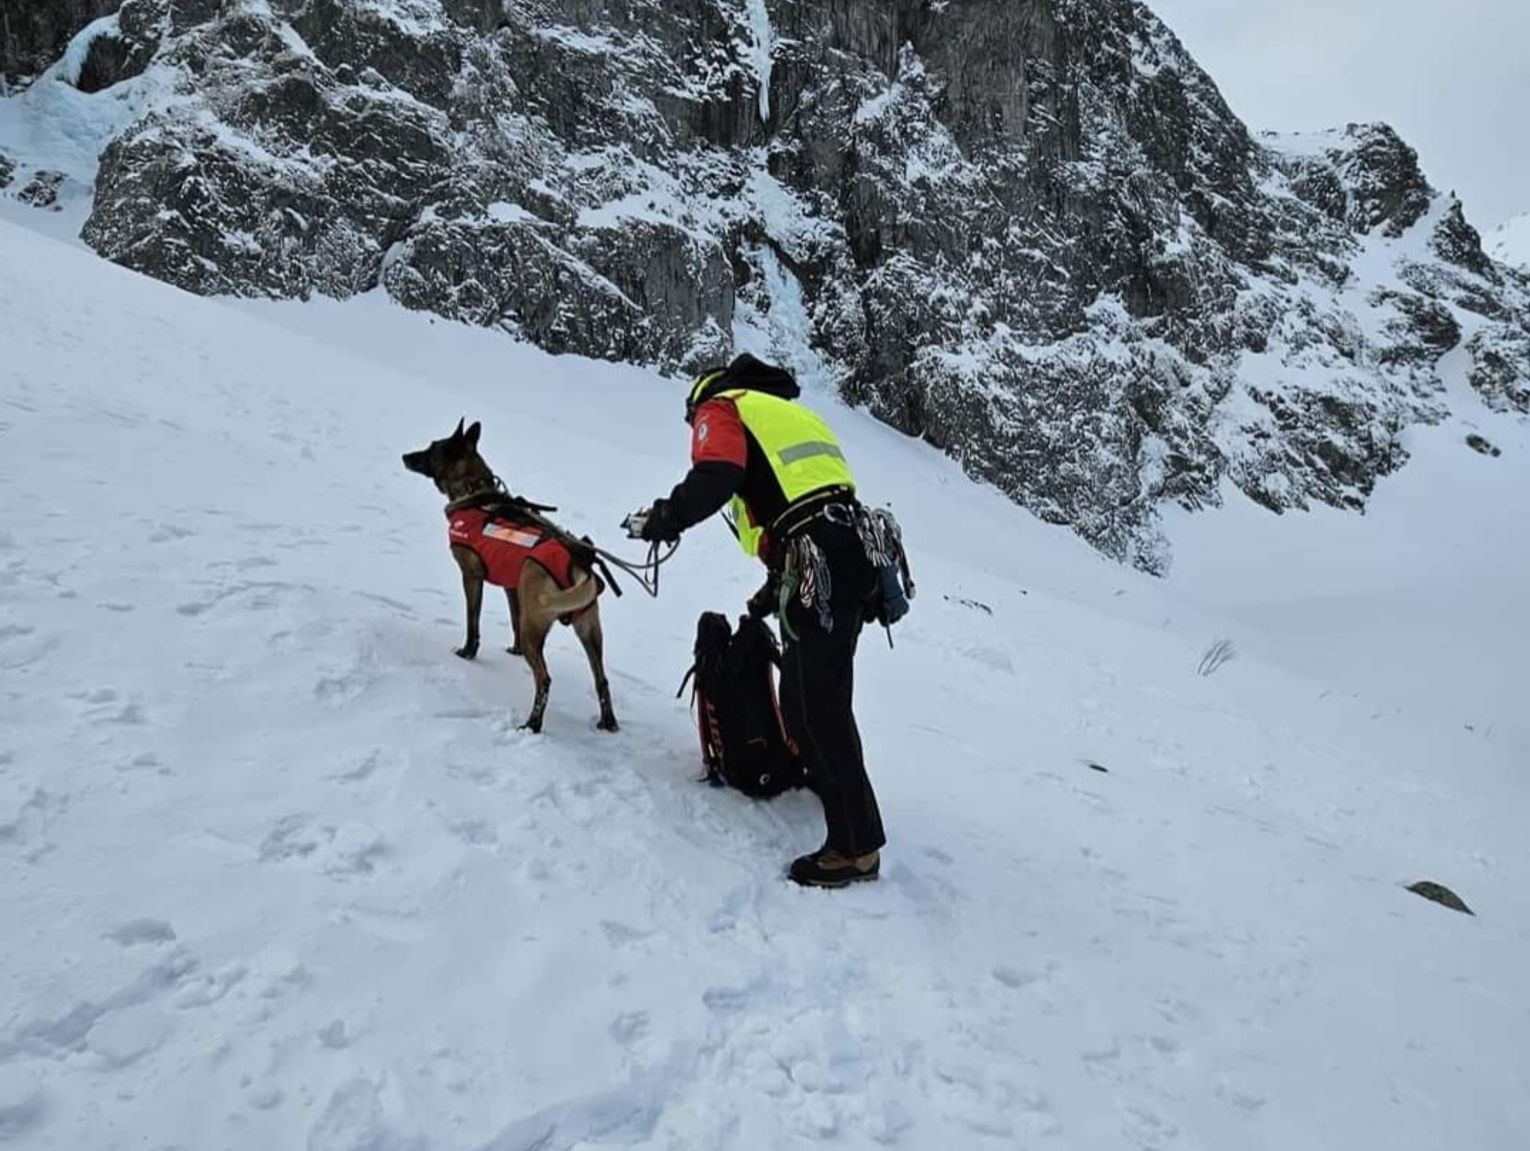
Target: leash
(645, 573)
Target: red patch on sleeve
(717, 435)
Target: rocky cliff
(1029, 231)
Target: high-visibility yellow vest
(803, 453)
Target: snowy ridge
(280, 872)
(1509, 243)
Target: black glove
(767, 601)
(661, 525)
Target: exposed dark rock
(1385, 188)
(634, 293)
(107, 62)
(123, 48)
(33, 33)
(1479, 444)
(1457, 242)
(1497, 371)
(7, 170)
(1423, 330)
(1437, 893)
(41, 191)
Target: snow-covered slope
(1509, 243)
(279, 872)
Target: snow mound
(280, 872)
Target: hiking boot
(828, 868)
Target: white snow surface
(280, 872)
(1509, 243)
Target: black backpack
(743, 742)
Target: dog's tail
(563, 602)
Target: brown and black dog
(493, 540)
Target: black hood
(756, 375)
(744, 372)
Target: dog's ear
(472, 434)
(457, 435)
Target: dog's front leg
(472, 592)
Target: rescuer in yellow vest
(792, 502)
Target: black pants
(817, 692)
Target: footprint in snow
(119, 1027)
(291, 838)
(264, 1097)
(206, 989)
(354, 1118)
(476, 833)
(21, 825)
(165, 533)
(253, 596)
(130, 714)
(144, 761)
(1146, 1128)
(1016, 979)
(25, 646)
(630, 1027)
(481, 774)
(334, 1035)
(23, 1106)
(136, 931)
(121, 1038)
(345, 688)
(350, 849)
(622, 935)
(363, 770)
(727, 1000)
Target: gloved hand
(767, 601)
(635, 524)
(657, 524)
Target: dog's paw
(466, 653)
(608, 723)
(514, 651)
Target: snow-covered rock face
(1029, 231)
(1510, 243)
(32, 35)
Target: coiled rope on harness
(498, 497)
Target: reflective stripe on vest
(798, 452)
(803, 453)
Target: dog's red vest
(504, 547)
